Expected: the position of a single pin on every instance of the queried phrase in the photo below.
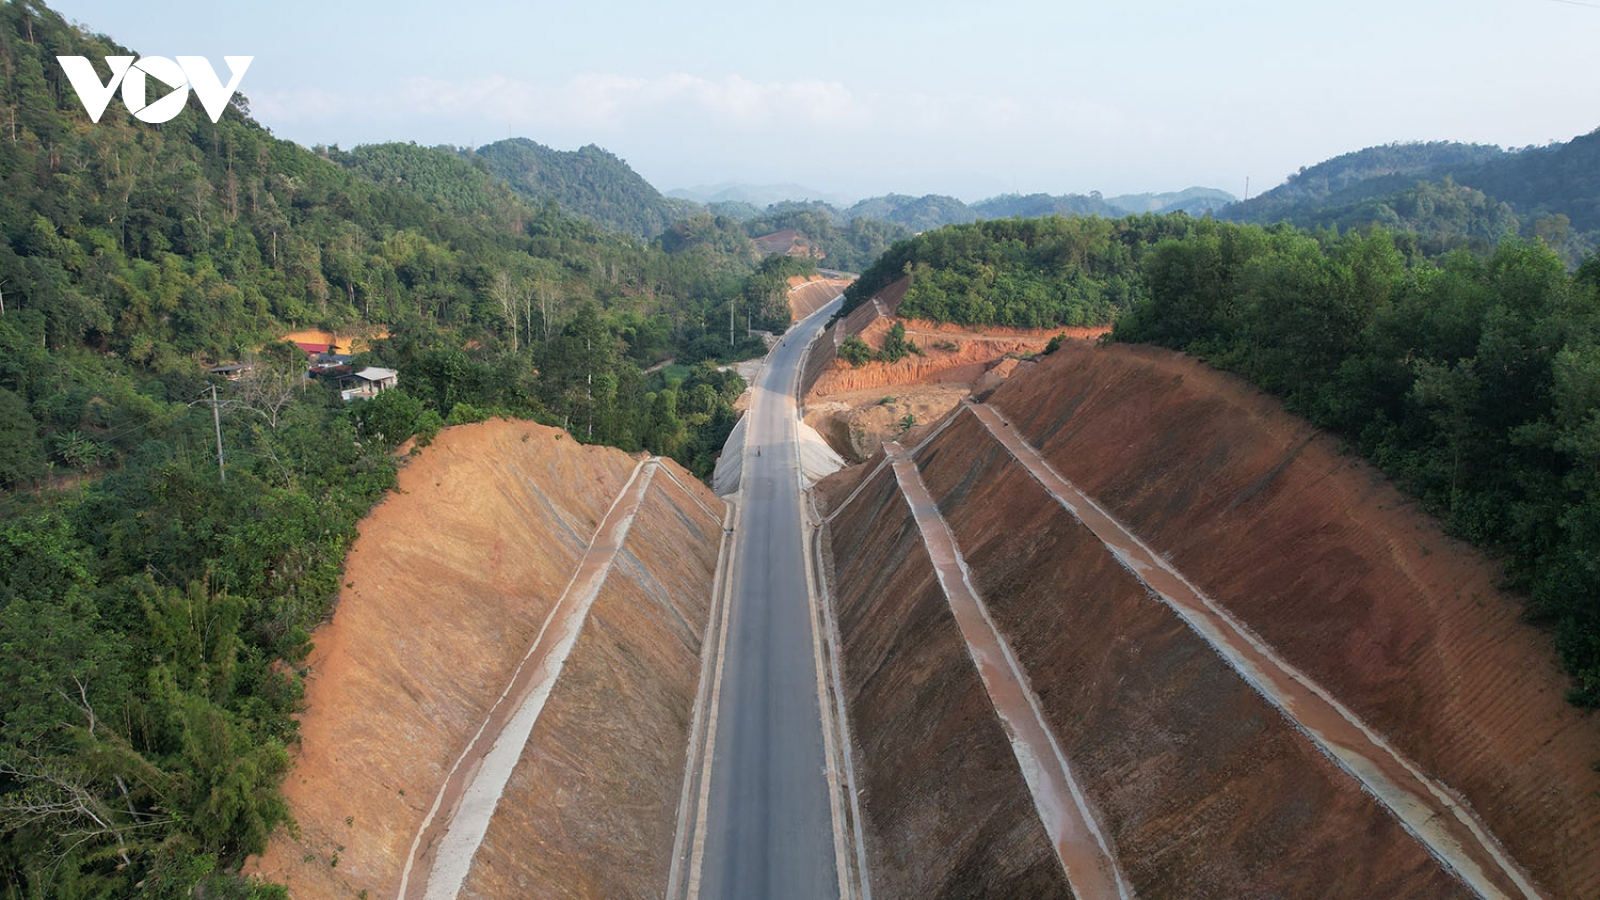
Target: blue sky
(864, 98)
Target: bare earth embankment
(857, 408)
(807, 295)
(447, 589)
(1206, 785)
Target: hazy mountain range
(1448, 193)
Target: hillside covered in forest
(1448, 194)
(589, 182)
(177, 497)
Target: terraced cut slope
(1080, 842)
(448, 589)
(945, 809)
(1208, 784)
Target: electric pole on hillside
(730, 323)
(216, 419)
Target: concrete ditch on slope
(449, 583)
(1208, 789)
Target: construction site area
(984, 621)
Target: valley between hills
(1043, 646)
(434, 522)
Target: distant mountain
(1452, 193)
(588, 182)
(1196, 201)
(933, 210)
(1029, 206)
(1362, 175)
(737, 210)
(916, 213)
(1559, 179)
(756, 195)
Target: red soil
(1325, 560)
(1208, 790)
(807, 295)
(953, 356)
(945, 810)
(446, 587)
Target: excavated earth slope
(951, 353)
(1204, 787)
(807, 295)
(858, 407)
(447, 588)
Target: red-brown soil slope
(446, 588)
(1335, 569)
(951, 353)
(596, 791)
(807, 295)
(843, 401)
(945, 810)
(1206, 788)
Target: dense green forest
(1473, 380)
(1449, 194)
(847, 244)
(935, 211)
(916, 213)
(1429, 218)
(156, 595)
(1028, 273)
(589, 182)
(1359, 175)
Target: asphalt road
(769, 832)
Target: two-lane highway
(769, 833)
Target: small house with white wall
(368, 383)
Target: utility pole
(730, 323)
(216, 419)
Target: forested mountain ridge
(1359, 175)
(1550, 192)
(589, 182)
(1472, 379)
(1559, 179)
(933, 210)
(156, 594)
(916, 213)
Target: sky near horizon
(867, 98)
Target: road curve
(769, 832)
